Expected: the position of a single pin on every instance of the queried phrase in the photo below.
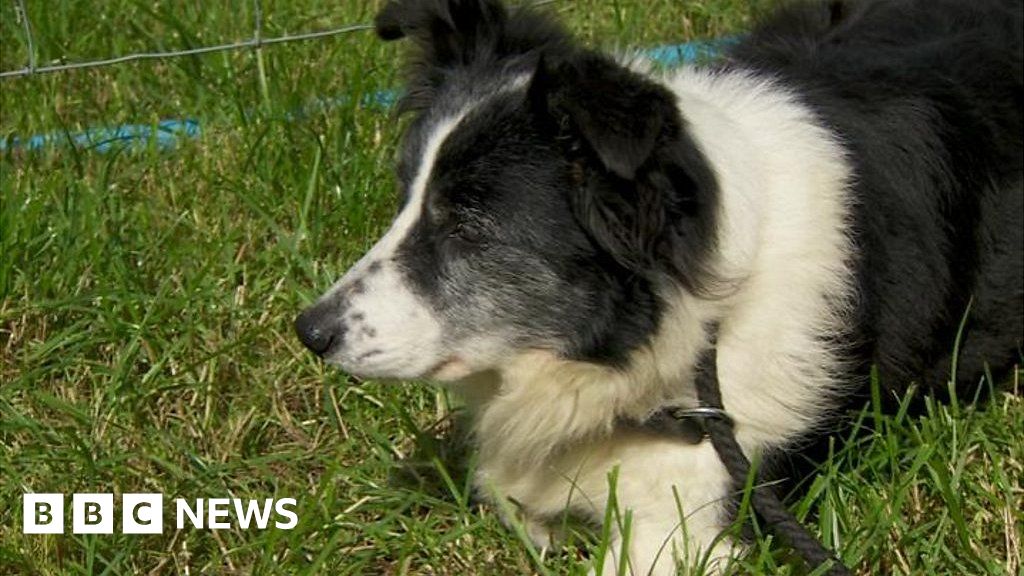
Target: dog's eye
(467, 233)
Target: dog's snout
(319, 330)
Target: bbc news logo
(144, 513)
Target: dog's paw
(543, 535)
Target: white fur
(784, 224)
(393, 332)
(399, 336)
(547, 427)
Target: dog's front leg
(668, 502)
(660, 547)
(541, 533)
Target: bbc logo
(93, 513)
(144, 513)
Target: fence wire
(255, 42)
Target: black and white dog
(843, 190)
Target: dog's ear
(641, 187)
(450, 33)
(620, 115)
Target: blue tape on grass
(164, 135)
(167, 134)
(677, 54)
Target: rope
(781, 521)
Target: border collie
(842, 190)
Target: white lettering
(251, 510)
(183, 509)
(282, 510)
(218, 508)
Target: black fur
(502, 230)
(460, 36)
(926, 95)
(600, 190)
(642, 189)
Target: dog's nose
(319, 330)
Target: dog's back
(927, 96)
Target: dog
(840, 192)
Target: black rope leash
(712, 421)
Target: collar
(689, 424)
(709, 420)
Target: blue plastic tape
(166, 134)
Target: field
(146, 301)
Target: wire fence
(169, 131)
(255, 42)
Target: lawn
(146, 301)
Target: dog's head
(547, 191)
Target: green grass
(147, 299)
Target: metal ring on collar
(701, 413)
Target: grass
(147, 298)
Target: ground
(146, 301)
